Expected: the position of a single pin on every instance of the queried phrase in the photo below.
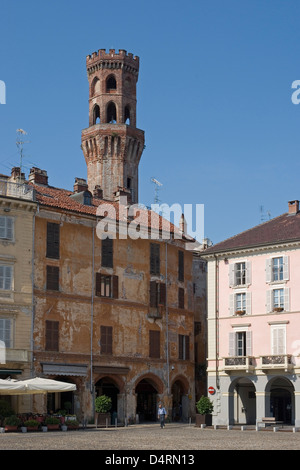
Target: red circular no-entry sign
(211, 390)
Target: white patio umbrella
(11, 387)
(41, 385)
(33, 386)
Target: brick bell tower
(112, 144)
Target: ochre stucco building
(115, 316)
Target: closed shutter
(98, 284)
(153, 294)
(286, 268)
(248, 272)
(249, 343)
(248, 303)
(107, 253)
(154, 344)
(269, 270)
(52, 240)
(187, 348)
(180, 297)
(180, 346)
(232, 348)
(106, 339)
(278, 340)
(180, 265)
(231, 275)
(115, 287)
(154, 258)
(269, 301)
(287, 299)
(162, 294)
(52, 278)
(52, 335)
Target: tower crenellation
(112, 144)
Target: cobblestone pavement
(151, 437)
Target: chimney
(293, 207)
(16, 175)
(123, 193)
(80, 185)
(38, 176)
(98, 192)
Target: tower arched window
(111, 84)
(96, 115)
(95, 87)
(127, 115)
(111, 114)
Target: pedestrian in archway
(162, 414)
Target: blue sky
(214, 97)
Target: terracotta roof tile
(281, 229)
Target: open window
(96, 114)
(111, 114)
(127, 115)
(111, 84)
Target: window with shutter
(106, 339)
(162, 293)
(155, 258)
(6, 228)
(6, 273)
(180, 297)
(183, 347)
(278, 339)
(154, 344)
(52, 250)
(180, 265)
(52, 335)
(107, 253)
(107, 286)
(6, 332)
(153, 294)
(52, 278)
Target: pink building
(253, 322)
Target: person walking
(162, 414)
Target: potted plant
(31, 425)
(102, 408)
(52, 422)
(72, 424)
(11, 423)
(205, 408)
(240, 312)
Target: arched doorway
(146, 404)
(282, 400)
(106, 386)
(242, 402)
(179, 392)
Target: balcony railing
(279, 361)
(245, 363)
(17, 190)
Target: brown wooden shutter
(154, 344)
(52, 335)
(52, 278)
(153, 294)
(52, 249)
(154, 258)
(115, 287)
(180, 265)
(162, 294)
(180, 297)
(98, 284)
(107, 253)
(106, 339)
(180, 346)
(187, 348)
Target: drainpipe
(217, 321)
(92, 304)
(32, 297)
(167, 323)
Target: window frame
(5, 279)
(106, 340)
(51, 335)
(8, 329)
(154, 344)
(7, 220)
(53, 240)
(183, 347)
(52, 283)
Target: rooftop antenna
(157, 186)
(264, 215)
(20, 142)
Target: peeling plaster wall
(81, 314)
